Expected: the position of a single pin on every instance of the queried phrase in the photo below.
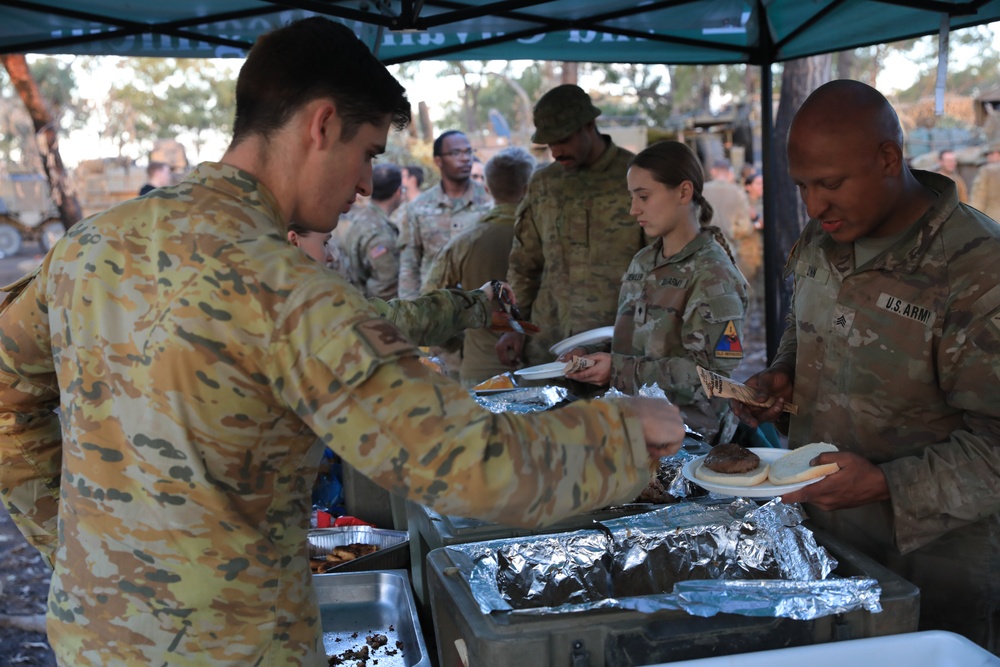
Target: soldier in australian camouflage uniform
(682, 299)
(574, 237)
(195, 356)
(439, 213)
(369, 240)
(892, 353)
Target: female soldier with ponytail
(682, 300)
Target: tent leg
(772, 262)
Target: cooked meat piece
(377, 641)
(731, 458)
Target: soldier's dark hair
(312, 59)
(507, 174)
(386, 179)
(416, 171)
(442, 137)
(672, 163)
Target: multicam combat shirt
(195, 356)
(573, 239)
(432, 219)
(898, 361)
(675, 314)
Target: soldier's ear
(686, 192)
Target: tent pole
(772, 262)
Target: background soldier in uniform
(574, 237)
(480, 254)
(439, 213)
(891, 354)
(199, 362)
(986, 188)
(368, 239)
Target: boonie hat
(561, 112)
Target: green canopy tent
(756, 32)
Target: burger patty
(731, 458)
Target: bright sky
(427, 86)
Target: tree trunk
(570, 72)
(846, 62)
(63, 192)
(799, 79)
(426, 126)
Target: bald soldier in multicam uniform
(440, 212)
(199, 362)
(574, 237)
(892, 353)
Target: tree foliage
(166, 98)
(56, 82)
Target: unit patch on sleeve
(729, 345)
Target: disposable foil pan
(393, 547)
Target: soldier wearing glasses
(440, 212)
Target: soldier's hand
(662, 425)
(774, 382)
(575, 352)
(496, 289)
(858, 482)
(598, 372)
(509, 349)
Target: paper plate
(543, 371)
(763, 490)
(584, 338)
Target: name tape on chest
(672, 281)
(905, 309)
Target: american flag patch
(378, 251)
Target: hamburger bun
(751, 478)
(794, 468)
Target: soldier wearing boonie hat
(561, 112)
(573, 229)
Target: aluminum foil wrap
(701, 558)
(525, 399)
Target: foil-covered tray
(522, 399)
(703, 558)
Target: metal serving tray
(354, 605)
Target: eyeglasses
(468, 152)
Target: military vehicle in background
(27, 214)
